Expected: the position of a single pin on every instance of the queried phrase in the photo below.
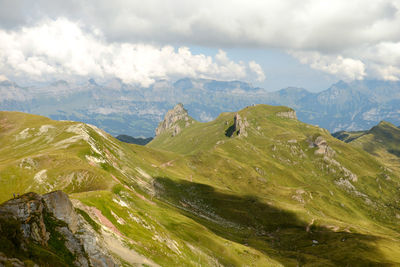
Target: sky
(270, 43)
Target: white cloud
(256, 68)
(3, 78)
(62, 48)
(304, 25)
(383, 59)
(344, 68)
(388, 73)
(351, 39)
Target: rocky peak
(171, 120)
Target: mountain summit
(173, 121)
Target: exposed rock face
(27, 211)
(290, 114)
(171, 119)
(14, 262)
(176, 130)
(239, 127)
(322, 147)
(49, 221)
(61, 207)
(328, 154)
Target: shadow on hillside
(230, 131)
(275, 232)
(395, 152)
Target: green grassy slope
(201, 198)
(275, 170)
(382, 141)
(114, 178)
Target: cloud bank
(350, 39)
(343, 68)
(60, 48)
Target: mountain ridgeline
(127, 109)
(255, 187)
(382, 141)
(134, 140)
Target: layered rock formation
(240, 125)
(291, 114)
(322, 147)
(37, 229)
(172, 119)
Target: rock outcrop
(46, 229)
(322, 147)
(14, 262)
(172, 119)
(290, 114)
(239, 127)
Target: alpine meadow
(170, 133)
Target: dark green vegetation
(56, 242)
(134, 140)
(286, 193)
(86, 216)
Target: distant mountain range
(121, 108)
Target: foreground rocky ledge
(46, 230)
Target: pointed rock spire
(172, 119)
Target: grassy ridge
(203, 198)
(382, 141)
(276, 164)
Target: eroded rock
(171, 120)
(59, 204)
(6, 261)
(290, 114)
(239, 127)
(322, 147)
(34, 220)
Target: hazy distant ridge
(127, 109)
